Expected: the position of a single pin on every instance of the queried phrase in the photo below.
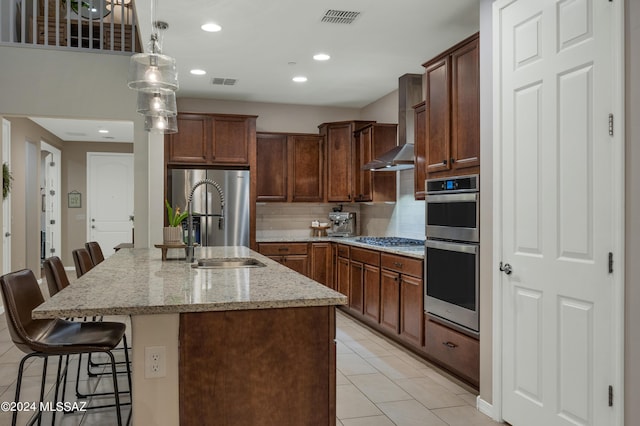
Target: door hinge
(610, 124)
(610, 396)
(52, 222)
(610, 263)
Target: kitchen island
(251, 345)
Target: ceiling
(263, 45)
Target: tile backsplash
(404, 218)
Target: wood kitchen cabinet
(452, 116)
(372, 141)
(420, 149)
(211, 140)
(342, 270)
(291, 255)
(290, 167)
(340, 153)
(321, 263)
(402, 296)
(364, 280)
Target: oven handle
(448, 198)
(453, 246)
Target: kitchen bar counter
(240, 345)
(409, 251)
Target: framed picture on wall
(74, 200)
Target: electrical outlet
(155, 362)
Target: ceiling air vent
(218, 81)
(332, 16)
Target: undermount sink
(235, 262)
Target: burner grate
(390, 241)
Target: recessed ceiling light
(321, 57)
(198, 72)
(103, 131)
(211, 27)
(299, 79)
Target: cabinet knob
(444, 162)
(450, 345)
(397, 264)
(453, 160)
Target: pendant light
(161, 124)
(150, 72)
(158, 103)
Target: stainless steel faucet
(190, 247)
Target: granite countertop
(409, 251)
(138, 282)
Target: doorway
(50, 212)
(6, 201)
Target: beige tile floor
(378, 383)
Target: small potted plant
(172, 234)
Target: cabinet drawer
(275, 249)
(455, 350)
(369, 257)
(343, 251)
(404, 265)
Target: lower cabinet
(371, 279)
(342, 270)
(292, 255)
(454, 350)
(321, 264)
(390, 300)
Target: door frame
(57, 158)
(6, 203)
(618, 190)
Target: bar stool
(82, 261)
(94, 251)
(53, 337)
(55, 274)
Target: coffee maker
(343, 224)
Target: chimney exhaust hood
(402, 157)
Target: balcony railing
(106, 25)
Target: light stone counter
(137, 282)
(409, 251)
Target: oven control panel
(448, 185)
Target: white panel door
(109, 199)
(557, 185)
(6, 203)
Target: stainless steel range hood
(401, 157)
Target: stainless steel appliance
(211, 226)
(343, 224)
(452, 252)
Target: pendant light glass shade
(161, 124)
(161, 103)
(152, 72)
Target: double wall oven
(452, 252)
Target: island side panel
(265, 366)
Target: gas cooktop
(390, 241)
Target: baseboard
(484, 407)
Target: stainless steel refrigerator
(209, 228)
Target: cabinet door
(342, 284)
(465, 107)
(321, 268)
(339, 162)
(383, 185)
(230, 140)
(363, 154)
(371, 278)
(190, 145)
(390, 300)
(356, 272)
(420, 150)
(297, 262)
(438, 116)
(307, 168)
(411, 309)
(271, 167)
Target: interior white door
(51, 199)
(6, 203)
(109, 199)
(560, 209)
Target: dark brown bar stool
(53, 337)
(55, 274)
(94, 251)
(82, 261)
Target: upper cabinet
(372, 141)
(420, 149)
(290, 167)
(211, 140)
(452, 112)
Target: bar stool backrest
(55, 274)
(82, 261)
